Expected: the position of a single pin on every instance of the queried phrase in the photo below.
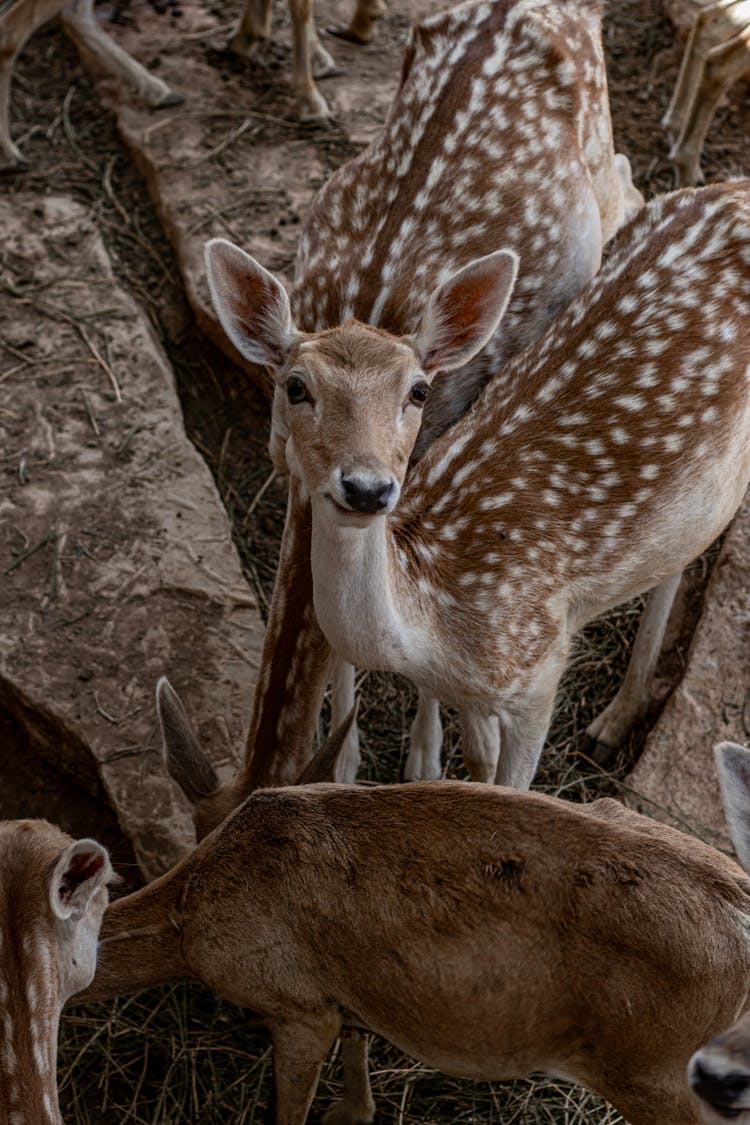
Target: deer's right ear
(251, 304)
(185, 761)
(464, 311)
(77, 874)
(733, 765)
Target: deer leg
(702, 83)
(629, 705)
(523, 728)
(357, 1106)
(15, 28)
(480, 743)
(81, 24)
(425, 742)
(311, 104)
(254, 27)
(342, 701)
(299, 1051)
(361, 29)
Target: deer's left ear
(464, 311)
(77, 873)
(251, 304)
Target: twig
(107, 185)
(70, 131)
(97, 356)
(50, 537)
(89, 411)
(258, 497)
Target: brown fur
(487, 932)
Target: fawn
(470, 159)
(486, 931)
(54, 892)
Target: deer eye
(418, 394)
(296, 391)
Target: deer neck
(28, 1062)
(140, 944)
(360, 597)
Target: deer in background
(515, 933)
(54, 892)
(310, 60)
(499, 135)
(606, 457)
(716, 54)
(21, 20)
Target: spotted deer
(21, 19)
(719, 1072)
(716, 54)
(515, 933)
(499, 135)
(310, 59)
(54, 892)
(605, 457)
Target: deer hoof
(348, 35)
(170, 99)
(313, 107)
(15, 165)
(341, 1113)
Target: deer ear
(464, 311)
(251, 304)
(733, 766)
(323, 766)
(183, 756)
(77, 873)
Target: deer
(609, 454)
(54, 891)
(469, 158)
(310, 59)
(515, 932)
(20, 21)
(716, 54)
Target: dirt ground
(174, 1055)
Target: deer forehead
(354, 358)
(27, 845)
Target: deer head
(350, 398)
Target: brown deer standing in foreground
(717, 53)
(54, 892)
(488, 932)
(23, 18)
(500, 135)
(608, 455)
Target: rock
(675, 779)
(116, 558)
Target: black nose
(364, 495)
(718, 1089)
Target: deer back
(500, 136)
(605, 457)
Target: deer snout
(368, 491)
(725, 1090)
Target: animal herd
(494, 430)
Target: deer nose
(367, 494)
(717, 1089)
